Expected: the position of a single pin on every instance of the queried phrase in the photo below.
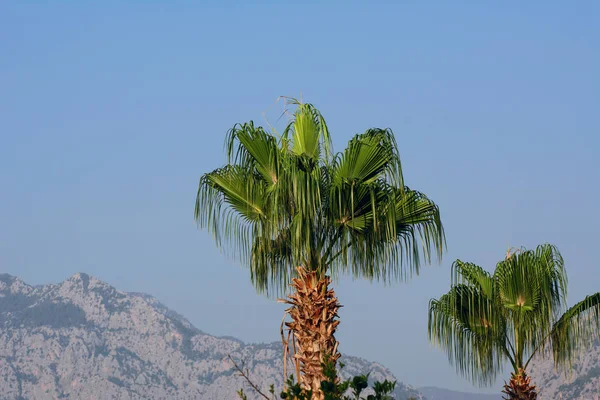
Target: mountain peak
(7, 278)
(82, 337)
(79, 276)
(13, 284)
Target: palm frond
(463, 272)
(459, 323)
(385, 231)
(531, 286)
(271, 263)
(231, 204)
(370, 156)
(308, 132)
(416, 211)
(252, 148)
(578, 327)
(555, 278)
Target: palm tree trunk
(520, 387)
(313, 314)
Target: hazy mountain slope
(582, 384)
(83, 339)
(435, 393)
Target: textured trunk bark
(313, 314)
(520, 387)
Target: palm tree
(296, 213)
(486, 321)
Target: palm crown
(288, 200)
(511, 315)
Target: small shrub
(331, 388)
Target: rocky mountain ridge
(84, 339)
(581, 383)
(435, 393)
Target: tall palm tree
(296, 213)
(487, 320)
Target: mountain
(435, 393)
(84, 339)
(582, 383)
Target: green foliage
(333, 389)
(486, 320)
(284, 200)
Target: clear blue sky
(110, 112)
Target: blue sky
(110, 112)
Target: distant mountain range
(84, 339)
(583, 383)
(435, 393)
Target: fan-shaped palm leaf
(511, 316)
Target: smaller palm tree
(487, 320)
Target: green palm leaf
(575, 329)
(286, 201)
(511, 315)
(309, 132)
(459, 322)
(474, 275)
(253, 149)
(369, 156)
